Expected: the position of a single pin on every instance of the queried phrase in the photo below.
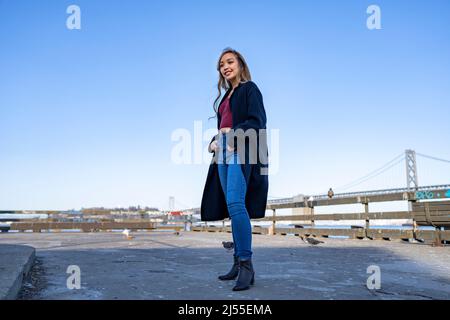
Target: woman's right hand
(213, 146)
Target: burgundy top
(226, 119)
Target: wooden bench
(432, 213)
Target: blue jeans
(235, 188)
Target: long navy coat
(247, 108)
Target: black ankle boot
(246, 275)
(233, 273)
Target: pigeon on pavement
(311, 240)
(229, 245)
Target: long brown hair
(243, 75)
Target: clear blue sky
(86, 116)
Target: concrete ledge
(15, 263)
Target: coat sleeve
(256, 112)
(216, 137)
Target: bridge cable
(430, 157)
(374, 173)
(182, 205)
(387, 168)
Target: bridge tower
(171, 203)
(411, 170)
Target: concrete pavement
(163, 265)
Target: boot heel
(246, 275)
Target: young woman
(237, 187)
